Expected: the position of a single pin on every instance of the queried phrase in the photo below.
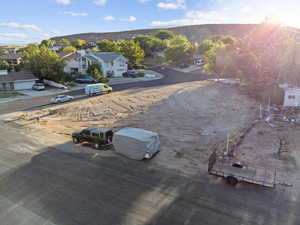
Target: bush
(103, 79)
(70, 84)
(142, 67)
(141, 74)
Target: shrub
(141, 74)
(143, 67)
(103, 79)
(70, 84)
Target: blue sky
(25, 21)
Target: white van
(97, 89)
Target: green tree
(64, 41)
(48, 43)
(205, 46)
(4, 65)
(4, 52)
(225, 39)
(79, 44)
(149, 44)
(164, 34)
(179, 50)
(69, 49)
(94, 70)
(108, 46)
(43, 62)
(132, 51)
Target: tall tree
(48, 43)
(132, 50)
(164, 34)
(4, 65)
(43, 62)
(79, 44)
(4, 51)
(179, 49)
(108, 46)
(149, 44)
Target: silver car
(61, 99)
(38, 87)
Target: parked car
(86, 80)
(61, 98)
(131, 73)
(38, 87)
(97, 137)
(97, 89)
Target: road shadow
(91, 189)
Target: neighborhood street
(170, 77)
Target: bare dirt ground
(191, 118)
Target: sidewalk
(27, 94)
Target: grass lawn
(8, 95)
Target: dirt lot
(191, 118)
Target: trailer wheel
(232, 180)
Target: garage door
(24, 85)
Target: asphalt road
(170, 77)
(46, 186)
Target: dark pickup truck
(97, 137)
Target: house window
(291, 97)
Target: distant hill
(196, 33)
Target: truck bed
(255, 175)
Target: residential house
(13, 59)
(112, 63)
(72, 62)
(16, 80)
(91, 44)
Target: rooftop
(17, 76)
(107, 56)
(69, 56)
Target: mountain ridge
(196, 33)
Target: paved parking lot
(44, 185)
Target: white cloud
(209, 17)
(109, 18)
(28, 27)
(13, 35)
(63, 2)
(75, 13)
(131, 18)
(100, 2)
(172, 4)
